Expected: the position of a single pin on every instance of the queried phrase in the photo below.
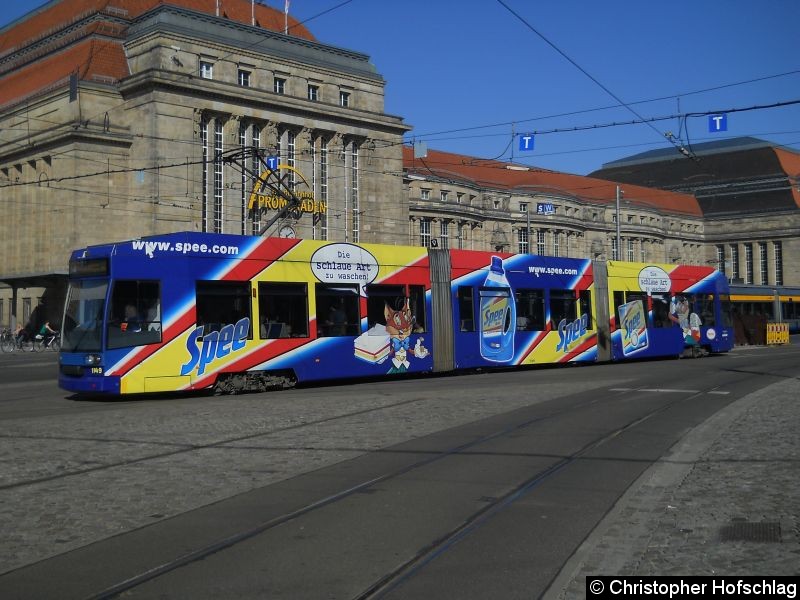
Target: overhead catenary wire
(157, 167)
(160, 168)
(341, 4)
(420, 135)
(686, 115)
(393, 142)
(52, 184)
(427, 135)
(585, 72)
(538, 132)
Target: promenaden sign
(261, 201)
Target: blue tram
(188, 311)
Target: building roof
(703, 149)
(513, 177)
(734, 176)
(92, 59)
(58, 14)
(40, 50)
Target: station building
(732, 204)
(749, 193)
(460, 201)
(127, 118)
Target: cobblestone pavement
(739, 467)
(69, 480)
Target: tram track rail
(393, 579)
(164, 567)
(390, 580)
(181, 447)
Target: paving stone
(69, 480)
(748, 471)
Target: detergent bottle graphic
(498, 316)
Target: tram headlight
(92, 360)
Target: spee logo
(215, 345)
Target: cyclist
(47, 333)
(21, 335)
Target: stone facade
(749, 193)
(494, 207)
(742, 218)
(153, 134)
(760, 250)
(159, 148)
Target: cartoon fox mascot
(399, 324)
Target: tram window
(395, 297)
(221, 303)
(563, 306)
(769, 310)
(337, 310)
(726, 310)
(530, 310)
(416, 296)
(466, 308)
(585, 302)
(661, 311)
(642, 296)
(134, 315)
(381, 296)
(789, 310)
(631, 296)
(83, 316)
(786, 310)
(619, 300)
(761, 309)
(282, 310)
(704, 307)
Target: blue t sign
(272, 163)
(717, 123)
(525, 142)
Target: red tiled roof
(103, 58)
(56, 15)
(89, 58)
(495, 174)
(790, 161)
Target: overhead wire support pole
(619, 238)
(512, 142)
(528, 218)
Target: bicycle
(52, 342)
(7, 341)
(22, 342)
(55, 342)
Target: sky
(469, 74)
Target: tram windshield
(83, 316)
